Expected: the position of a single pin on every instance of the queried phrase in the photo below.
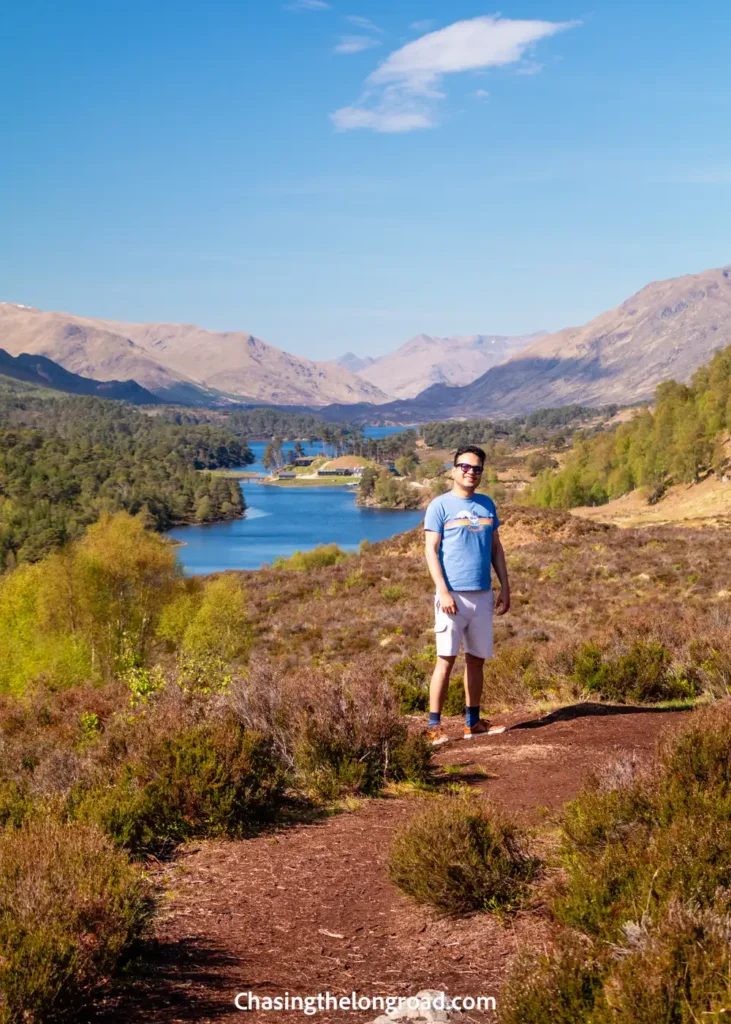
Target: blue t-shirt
(466, 526)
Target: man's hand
(447, 602)
(502, 604)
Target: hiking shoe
(436, 735)
(482, 728)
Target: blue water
(316, 448)
(280, 520)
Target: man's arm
(502, 605)
(431, 546)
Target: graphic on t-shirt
(471, 520)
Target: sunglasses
(467, 467)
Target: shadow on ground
(185, 980)
(591, 709)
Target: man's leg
(473, 680)
(440, 683)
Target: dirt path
(311, 909)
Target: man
(462, 542)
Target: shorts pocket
(441, 619)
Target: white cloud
(354, 44)
(481, 94)
(402, 93)
(364, 23)
(307, 5)
(348, 118)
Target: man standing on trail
(462, 542)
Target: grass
(320, 481)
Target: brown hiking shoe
(482, 728)
(436, 735)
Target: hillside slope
(43, 372)
(179, 362)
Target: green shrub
(643, 674)
(70, 906)
(410, 679)
(16, 803)
(460, 856)
(319, 557)
(454, 703)
(211, 780)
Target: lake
(257, 447)
(281, 520)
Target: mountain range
(180, 362)
(425, 360)
(667, 329)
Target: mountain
(180, 362)
(424, 361)
(667, 329)
(350, 361)
(43, 372)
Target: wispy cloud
(364, 23)
(307, 5)
(402, 94)
(422, 26)
(481, 94)
(354, 44)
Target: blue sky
(340, 176)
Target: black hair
(473, 450)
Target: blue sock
(435, 718)
(472, 715)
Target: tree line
(64, 462)
(541, 427)
(682, 440)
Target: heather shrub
(212, 779)
(460, 855)
(562, 987)
(339, 727)
(677, 970)
(70, 906)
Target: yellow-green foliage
(322, 555)
(675, 444)
(70, 905)
(31, 647)
(81, 611)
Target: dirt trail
(311, 909)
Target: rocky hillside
(180, 362)
(667, 329)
